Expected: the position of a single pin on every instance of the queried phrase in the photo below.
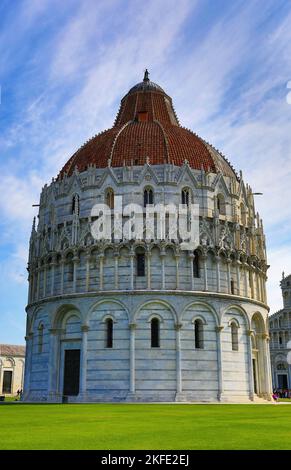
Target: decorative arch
(201, 304)
(240, 310)
(10, 360)
(234, 321)
(31, 319)
(258, 323)
(155, 315)
(105, 301)
(156, 301)
(62, 314)
(67, 316)
(200, 318)
(108, 316)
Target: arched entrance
(70, 351)
(65, 354)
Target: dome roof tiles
(146, 129)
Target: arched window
(76, 204)
(220, 204)
(148, 196)
(196, 264)
(40, 338)
(198, 334)
(109, 333)
(186, 196)
(155, 333)
(140, 264)
(109, 198)
(234, 336)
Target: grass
(139, 426)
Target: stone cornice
(175, 292)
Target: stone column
(252, 282)
(177, 257)
(218, 330)
(101, 262)
(258, 297)
(53, 265)
(267, 365)
(148, 258)
(22, 375)
(132, 327)
(246, 279)
(263, 288)
(83, 377)
(32, 293)
(238, 265)
(250, 366)
(52, 364)
(28, 361)
(116, 258)
(228, 262)
(162, 257)
(132, 258)
(204, 259)
(191, 258)
(62, 274)
(265, 291)
(29, 289)
(75, 266)
(37, 282)
(44, 280)
(178, 360)
(88, 259)
(217, 259)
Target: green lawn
(126, 426)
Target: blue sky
(64, 67)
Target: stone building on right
(280, 339)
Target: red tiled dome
(147, 129)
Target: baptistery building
(124, 319)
